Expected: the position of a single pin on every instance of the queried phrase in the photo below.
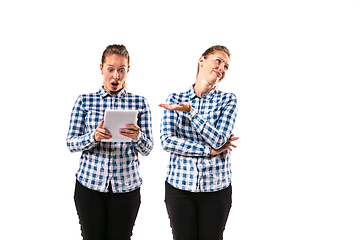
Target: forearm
(216, 129)
(214, 137)
(81, 143)
(184, 147)
(143, 144)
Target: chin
(213, 82)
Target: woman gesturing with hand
(196, 128)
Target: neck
(111, 92)
(202, 87)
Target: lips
(218, 74)
(114, 84)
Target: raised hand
(185, 107)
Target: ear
(128, 69)
(201, 60)
(101, 68)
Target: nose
(221, 68)
(116, 75)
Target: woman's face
(114, 70)
(214, 67)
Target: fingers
(168, 107)
(101, 125)
(163, 105)
(186, 107)
(132, 126)
(101, 133)
(232, 138)
(231, 146)
(227, 146)
(132, 131)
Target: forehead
(222, 55)
(115, 59)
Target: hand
(227, 146)
(132, 131)
(185, 107)
(101, 133)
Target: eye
(218, 61)
(122, 70)
(110, 69)
(226, 67)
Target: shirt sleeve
(77, 139)
(216, 136)
(144, 142)
(172, 142)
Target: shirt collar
(105, 94)
(208, 96)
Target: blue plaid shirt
(189, 138)
(102, 162)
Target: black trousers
(197, 216)
(106, 216)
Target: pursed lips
(218, 74)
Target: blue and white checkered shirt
(189, 138)
(102, 162)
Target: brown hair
(116, 49)
(212, 50)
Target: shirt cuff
(92, 139)
(207, 150)
(192, 113)
(196, 121)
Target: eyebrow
(122, 66)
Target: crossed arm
(186, 107)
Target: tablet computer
(116, 119)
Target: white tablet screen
(114, 120)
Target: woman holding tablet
(107, 190)
(196, 129)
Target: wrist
(189, 109)
(138, 137)
(95, 139)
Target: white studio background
(295, 71)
